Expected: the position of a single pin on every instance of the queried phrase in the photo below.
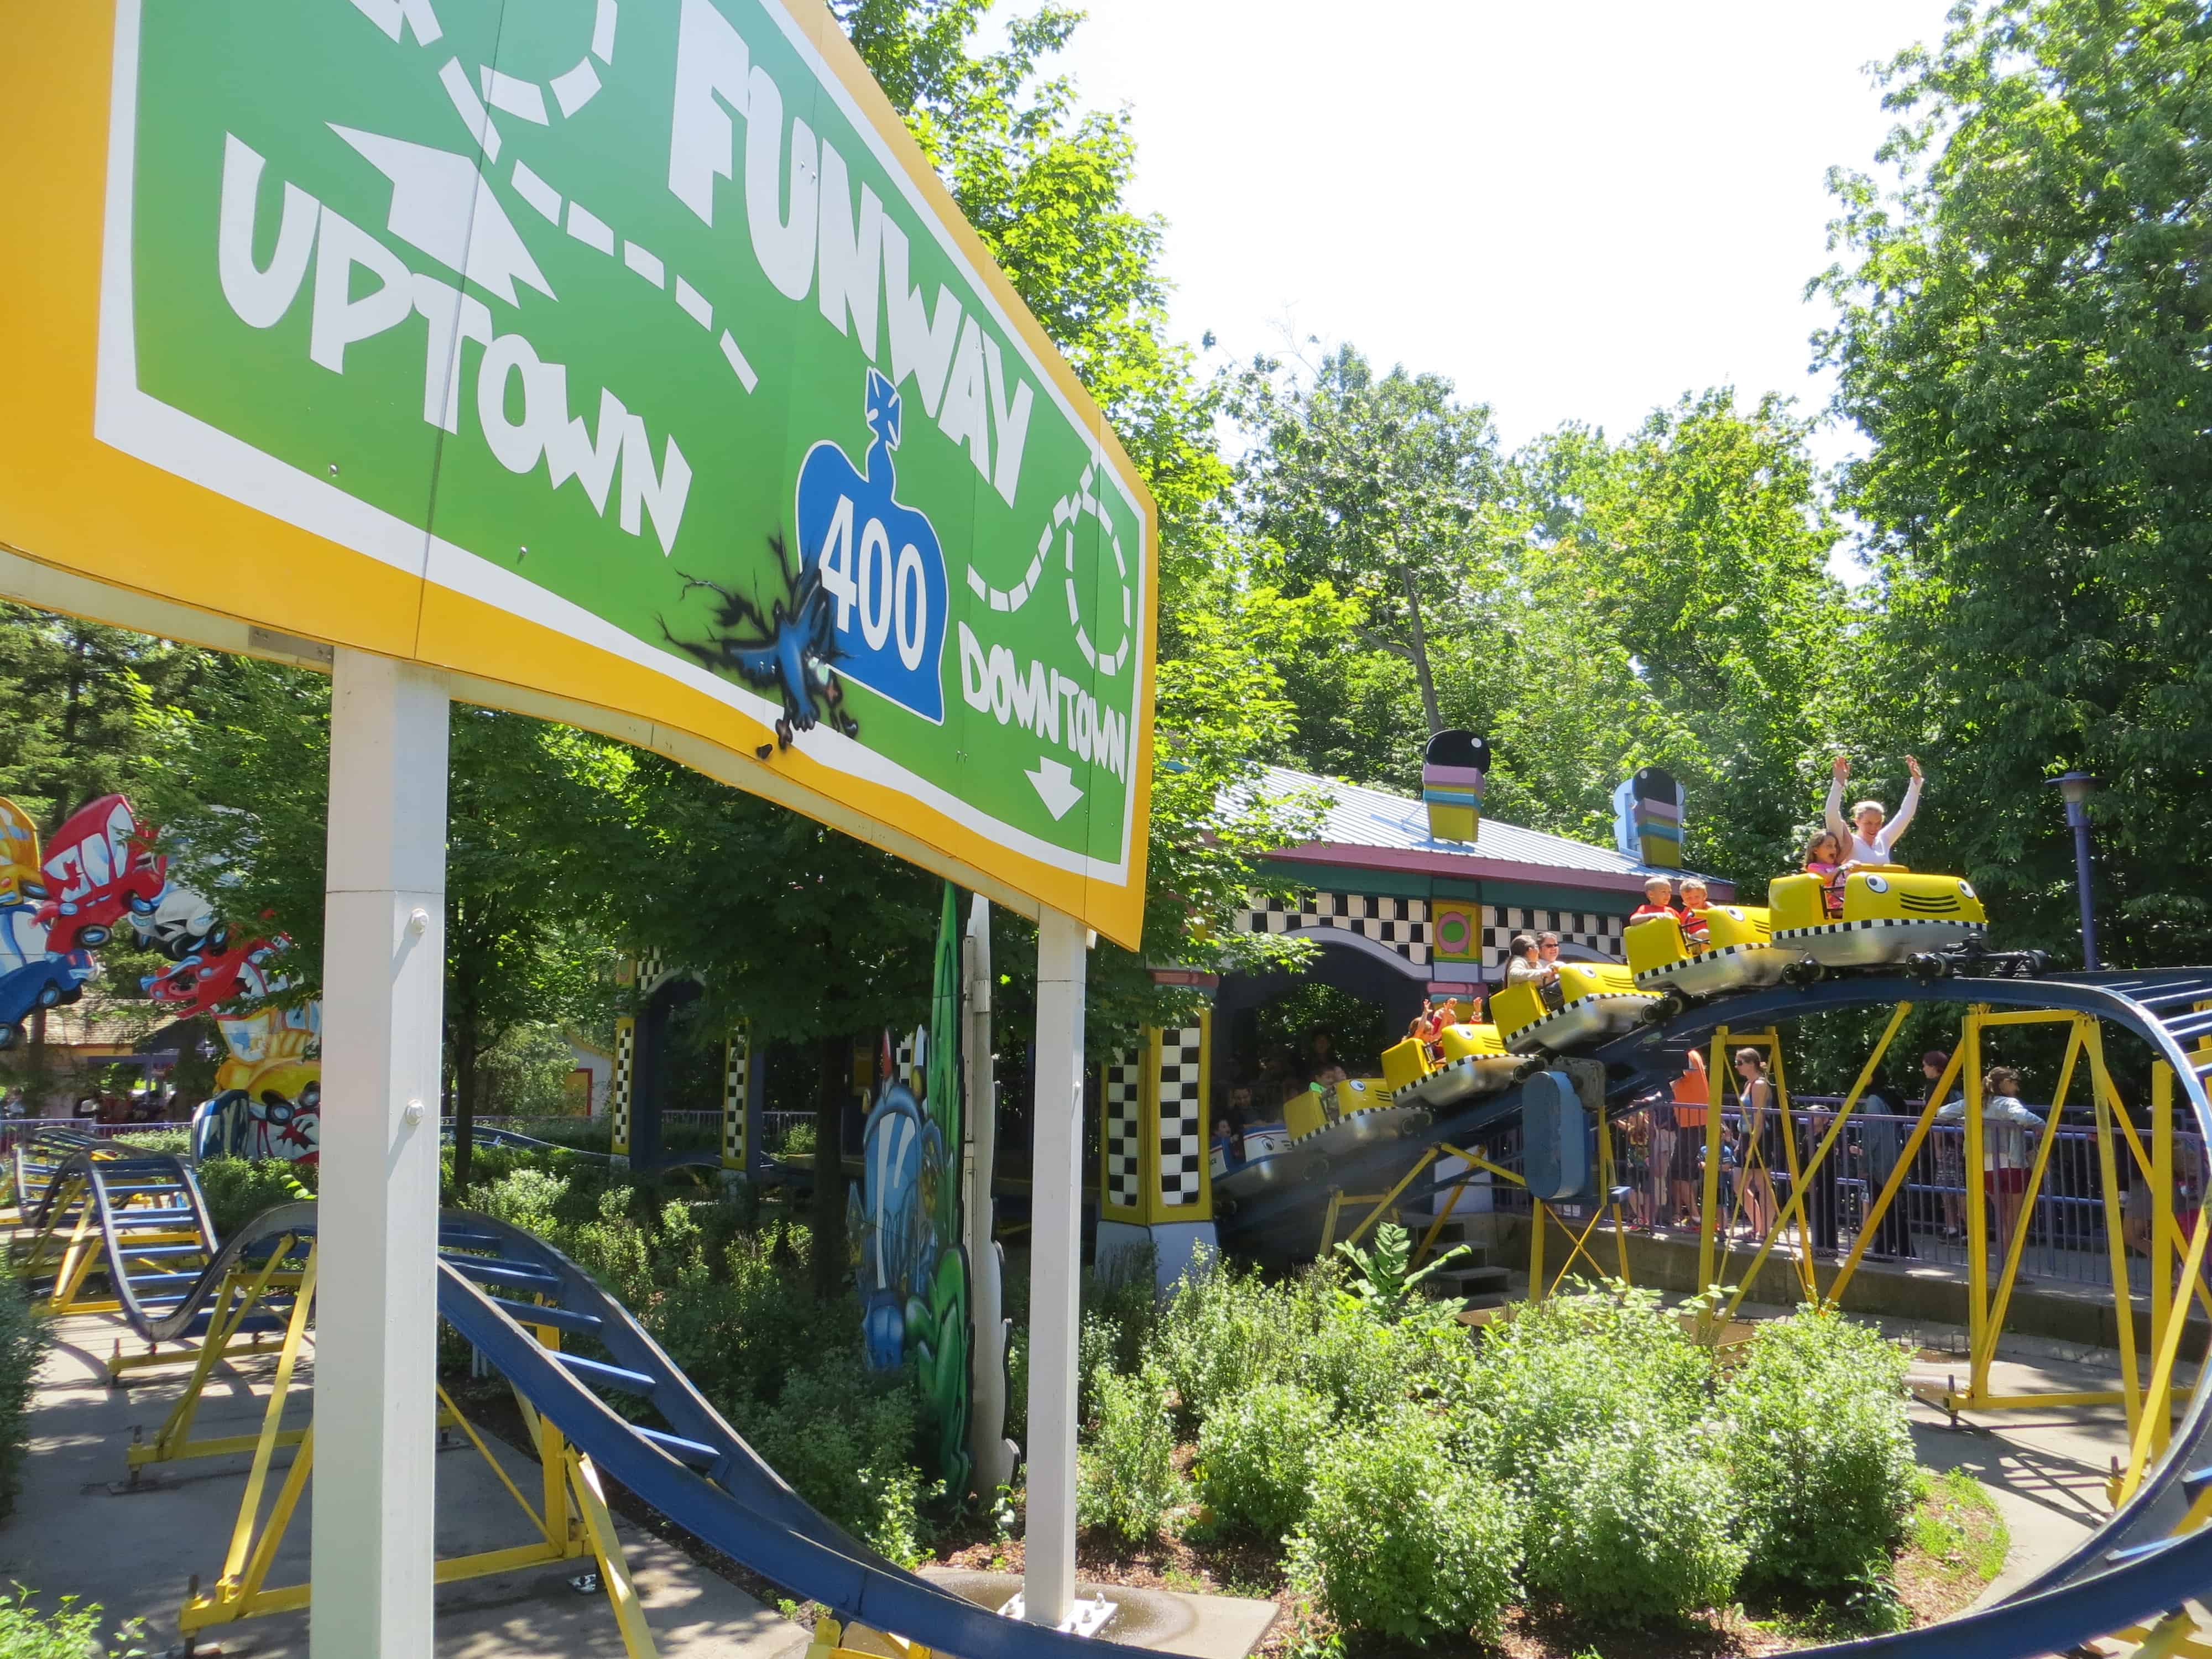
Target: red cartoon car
(100, 866)
(213, 975)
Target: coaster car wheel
(1670, 1006)
(1927, 966)
(1804, 973)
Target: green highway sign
(641, 325)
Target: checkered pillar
(1122, 1139)
(1183, 1183)
(1153, 1156)
(618, 1095)
(737, 1077)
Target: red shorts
(2004, 1181)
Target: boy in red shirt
(1658, 900)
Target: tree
(242, 790)
(1692, 562)
(2023, 334)
(1379, 487)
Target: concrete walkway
(79, 1530)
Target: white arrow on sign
(1055, 786)
(442, 205)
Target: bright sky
(1575, 212)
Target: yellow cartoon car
(1475, 1062)
(1738, 953)
(1889, 915)
(1597, 999)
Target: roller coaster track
(140, 1222)
(33, 1162)
(500, 1288)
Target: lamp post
(2075, 787)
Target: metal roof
(1360, 818)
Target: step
(1483, 1299)
(1463, 1280)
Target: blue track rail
(167, 1291)
(623, 1403)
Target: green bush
(23, 1340)
(1593, 1407)
(1820, 1450)
(237, 1189)
(1403, 1539)
(1633, 1526)
(1574, 1367)
(69, 1632)
(1257, 1456)
(1126, 1479)
(176, 1142)
(1224, 1329)
(845, 1440)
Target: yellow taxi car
(1889, 915)
(1475, 1062)
(1595, 1000)
(1738, 953)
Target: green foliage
(1125, 1479)
(1404, 1539)
(1821, 1453)
(524, 1073)
(2021, 332)
(845, 1440)
(71, 1631)
(1381, 1284)
(239, 1188)
(1633, 1524)
(23, 1340)
(1592, 1408)
(1257, 1456)
(1224, 1328)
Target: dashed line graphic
(1065, 512)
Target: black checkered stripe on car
(1830, 929)
(1465, 1063)
(1338, 1123)
(1721, 954)
(1576, 1005)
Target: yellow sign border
(88, 530)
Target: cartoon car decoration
(100, 866)
(31, 976)
(207, 978)
(1595, 1000)
(1319, 1125)
(21, 878)
(184, 922)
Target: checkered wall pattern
(1182, 1115)
(1397, 924)
(1122, 1134)
(625, 1070)
(737, 1070)
(1593, 932)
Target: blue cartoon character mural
(788, 650)
(904, 1219)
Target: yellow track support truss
(569, 1515)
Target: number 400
(891, 596)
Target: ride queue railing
(2067, 1241)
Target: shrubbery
(1822, 1458)
(1404, 1539)
(846, 1441)
(237, 1189)
(71, 1631)
(23, 1340)
(1257, 1456)
(1125, 1477)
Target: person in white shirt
(2006, 1153)
(1870, 837)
